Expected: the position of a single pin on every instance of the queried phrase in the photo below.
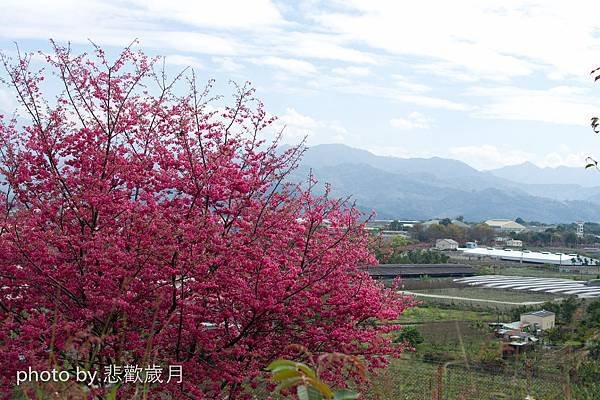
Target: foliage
(307, 382)
(409, 335)
(404, 251)
(592, 316)
(587, 381)
(419, 257)
(490, 355)
(594, 350)
(141, 226)
(480, 233)
(565, 309)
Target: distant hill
(530, 173)
(423, 188)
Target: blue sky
(491, 83)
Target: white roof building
(505, 225)
(527, 256)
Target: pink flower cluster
(141, 226)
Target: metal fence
(429, 381)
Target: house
(515, 337)
(514, 243)
(542, 319)
(504, 225)
(446, 244)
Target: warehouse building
(526, 256)
(542, 319)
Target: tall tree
(141, 226)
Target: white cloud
(230, 14)
(227, 64)
(564, 155)
(494, 40)
(184, 61)
(576, 159)
(289, 65)
(306, 44)
(8, 102)
(519, 60)
(404, 83)
(489, 156)
(446, 70)
(351, 71)
(414, 120)
(559, 104)
(297, 126)
(403, 95)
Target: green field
(418, 315)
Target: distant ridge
(436, 187)
(530, 173)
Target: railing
(432, 381)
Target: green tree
(592, 312)
(570, 239)
(446, 221)
(409, 335)
(482, 233)
(395, 225)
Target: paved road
(441, 296)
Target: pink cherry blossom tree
(143, 223)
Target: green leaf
(306, 369)
(282, 374)
(345, 394)
(308, 393)
(112, 395)
(280, 363)
(321, 387)
(288, 383)
(302, 392)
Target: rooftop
(540, 313)
(419, 270)
(504, 223)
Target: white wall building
(542, 319)
(446, 244)
(514, 243)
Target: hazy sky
(491, 83)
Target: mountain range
(423, 188)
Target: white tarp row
(547, 285)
